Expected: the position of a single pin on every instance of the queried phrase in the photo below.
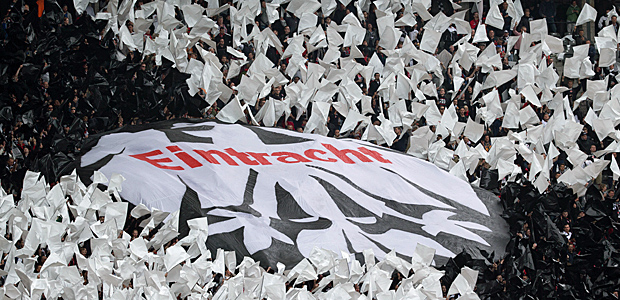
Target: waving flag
(276, 194)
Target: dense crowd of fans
(63, 79)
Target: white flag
(588, 13)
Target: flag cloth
(41, 6)
(273, 193)
(588, 14)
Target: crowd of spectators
(62, 80)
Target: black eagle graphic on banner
(291, 232)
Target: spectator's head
(442, 109)
(614, 19)
(574, 3)
(566, 228)
(526, 12)
(592, 149)
(476, 16)
(398, 130)
(64, 8)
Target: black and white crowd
(518, 97)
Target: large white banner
(275, 194)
